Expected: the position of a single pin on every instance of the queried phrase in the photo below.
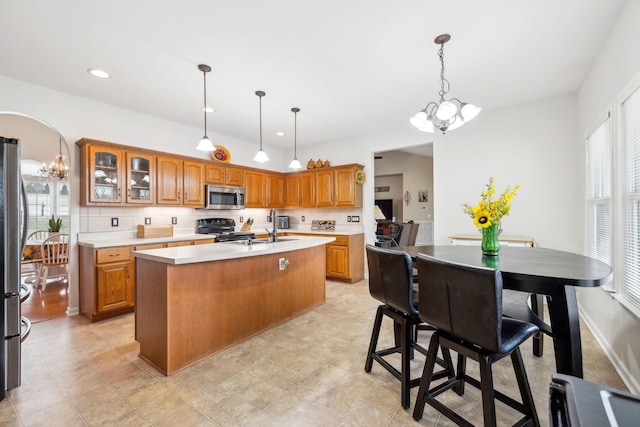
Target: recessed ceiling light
(98, 73)
(208, 110)
(279, 133)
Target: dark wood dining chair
(464, 304)
(391, 282)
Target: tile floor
(306, 372)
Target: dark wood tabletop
(538, 271)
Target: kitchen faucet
(274, 233)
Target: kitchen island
(194, 301)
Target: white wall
(617, 64)
(394, 183)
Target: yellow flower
(488, 211)
(481, 219)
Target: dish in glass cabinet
(221, 154)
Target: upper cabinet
(255, 191)
(224, 175)
(180, 182)
(140, 178)
(275, 190)
(300, 189)
(337, 187)
(101, 174)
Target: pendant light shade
(295, 164)
(260, 156)
(205, 143)
(445, 114)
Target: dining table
(538, 271)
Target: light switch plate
(348, 218)
(147, 221)
(114, 222)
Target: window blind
(599, 202)
(630, 138)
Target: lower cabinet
(345, 258)
(107, 282)
(108, 278)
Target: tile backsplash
(98, 219)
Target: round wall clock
(360, 176)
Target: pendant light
(444, 115)
(205, 143)
(295, 164)
(261, 156)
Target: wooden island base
(187, 312)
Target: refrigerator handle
(25, 215)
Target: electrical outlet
(147, 221)
(302, 218)
(355, 218)
(283, 263)
(348, 218)
(174, 220)
(241, 219)
(114, 222)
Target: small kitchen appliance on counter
(283, 222)
(223, 229)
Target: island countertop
(229, 250)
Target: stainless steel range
(223, 229)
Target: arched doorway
(47, 196)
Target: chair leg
(425, 381)
(377, 323)
(407, 355)
(523, 385)
(488, 397)
(43, 278)
(460, 373)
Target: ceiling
(353, 67)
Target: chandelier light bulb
(446, 110)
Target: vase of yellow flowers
(487, 214)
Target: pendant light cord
(295, 134)
(259, 96)
(204, 73)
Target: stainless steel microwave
(219, 197)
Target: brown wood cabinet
(300, 190)
(274, 183)
(107, 282)
(107, 278)
(224, 175)
(140, 178)
(324, 188)
(345, 258)
(255, 191)
(101, 171)
(180, 182)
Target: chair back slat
(461, 300)
(55, 250)
(390, 278)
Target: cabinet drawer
(340, 240)
(112, 255)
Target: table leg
(537, 306)
(565, 324)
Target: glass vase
(490, 244)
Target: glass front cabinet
(105, 171)
(140, 178)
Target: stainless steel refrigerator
(13, 227)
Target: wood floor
(47, 305)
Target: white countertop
(127, 240)
(228, 250)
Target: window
(630, 142)
(46, 198)
(599, 201)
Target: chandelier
(57, 169)
(445, 114)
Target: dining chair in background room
(55, 260)
(391, 282)
(464, 304)
(31, 255)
